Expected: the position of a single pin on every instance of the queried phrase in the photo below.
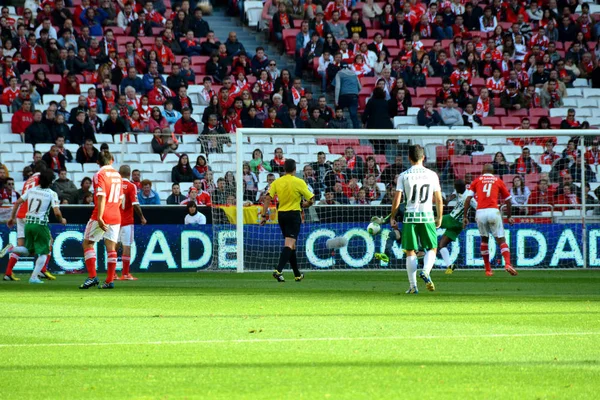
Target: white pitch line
(317, 339)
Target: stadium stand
(132, 67)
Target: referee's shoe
(278, 276)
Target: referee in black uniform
(290, 191)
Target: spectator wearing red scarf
(570, 122)
(278, 161)
(525, 164)
(542, 194)
(354, 163)
(201, 167)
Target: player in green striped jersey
(40, 200)
(452, 223)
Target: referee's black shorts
(290, 222)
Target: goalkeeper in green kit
(453, 223)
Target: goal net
(551, 176)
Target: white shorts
(126, 235)
(93, 232)
(489, 221)
(20, 228)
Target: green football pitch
(336, 335)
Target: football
(373, 228)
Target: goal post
(257, 248)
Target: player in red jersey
(128, 206)
(104, 223)
(33, 181)
(487, 188)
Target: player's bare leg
(505, 251)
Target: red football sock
(111, 266)
(90, 262)
(126, 263)
(485, 254)
(45, 268)
(505, 253)
(12, 261)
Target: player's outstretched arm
(439, 205)
(508, 203)
(13, 213)
(59, 216)
(466, 212)
(265, 213)
(101, 208)
(140, 213)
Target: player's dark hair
(104, 158)
(290, 166)
(46, 178)
(415, 153)
(460, 186)
(40, 166)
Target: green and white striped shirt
(417, 185)
(39, 203)
(459, 209)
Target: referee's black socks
(294, 264)
(284, 257)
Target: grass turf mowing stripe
(325, 339)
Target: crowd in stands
(130, 65)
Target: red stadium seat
(457, 160)
(368, 81)
(326, 142)
(482, 159)
(390, 43)
(500, 112)
(394, 52)
(441, 156)
(200, 60)
(510, 121)
(426, 92)
(349, 142)
(490, 121)
(508, 178)
(337, 149)
(523, 112)
(478, 82)
(418, 101)
(434, 81)
(363, 150)
(539, 112)
(380, 158)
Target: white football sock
(411, 270)
(428, 261)
(39, 264)
(446, 256)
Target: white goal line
(293, 340)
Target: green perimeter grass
(459, 361)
